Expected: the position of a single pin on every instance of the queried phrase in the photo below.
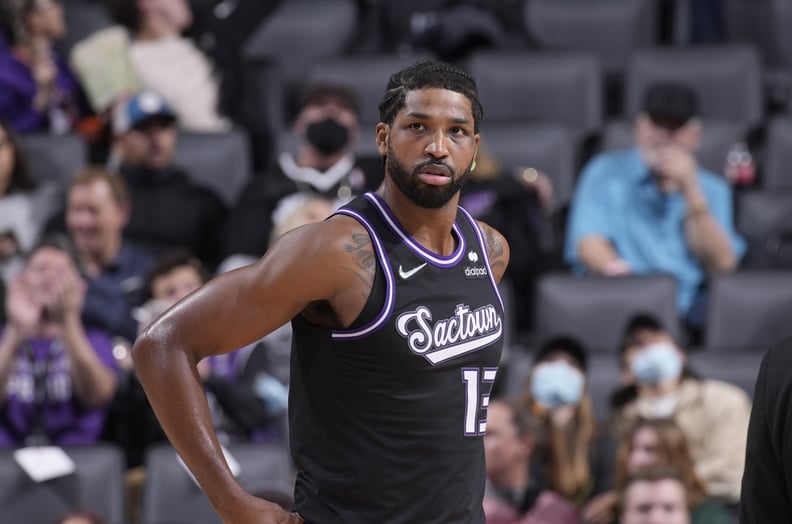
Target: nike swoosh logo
(407, 274)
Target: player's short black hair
(125, 12)
(429, 73)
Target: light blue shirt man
(618, 199)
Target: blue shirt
(617, 198)
(118, 289)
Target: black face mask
(328, 136)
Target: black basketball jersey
(387, 417)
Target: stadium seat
(777, 173)
(727, 80)
(532, 87)
(219, 161)
(96, 485)
(748, 310)
(54, 157)
(171, 496)
(595, 309)
(366, 75)
(82, 20)
(300, 32)
(611, 29)
(764, 218)
(547, 147)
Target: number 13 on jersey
(478, 384)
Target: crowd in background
(88, 263)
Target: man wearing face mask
(318, 157)
(653, 209)
(656, 383)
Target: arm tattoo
(495, 248)
(363, 251)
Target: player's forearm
(169, 376)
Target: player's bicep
(243, 305)
(497, 249)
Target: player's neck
(430, 227)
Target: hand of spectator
(69, 295)
(677, 164)
(44, 72)
(22, 310)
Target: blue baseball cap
(139, 108)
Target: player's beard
(424, 195)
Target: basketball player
(398, 329)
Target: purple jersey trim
(390, 295)
(484, 248)
(419, 250)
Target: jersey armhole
(381, 292)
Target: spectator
(97, 209)
(326, 129)
(577, 459)
(514, 493)
(37, 90)
(168, 209)
(654, 209)
(25, 205)
(652, 443)
(517, 206)
(170, 64)
(57, 376)
(658, 384)
(655, 496)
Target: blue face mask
(556, 384)
(656, 364)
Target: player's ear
(383, 134)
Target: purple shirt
(17, 90)
(64, 420)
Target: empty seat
(546, 147)
(716, 140)
(82, 20)
(524, 87)
(610, 29)
(764, 218)
(777, 173)
(54, 157)
(172, 497)
(727, 80)
(740, 369)
(299, 33)
(219, 161)
(596, 309)
(748, 310)
(97, 485)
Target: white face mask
(556, 384)
(656, 364)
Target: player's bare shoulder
(498, 249)
(336, 258)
